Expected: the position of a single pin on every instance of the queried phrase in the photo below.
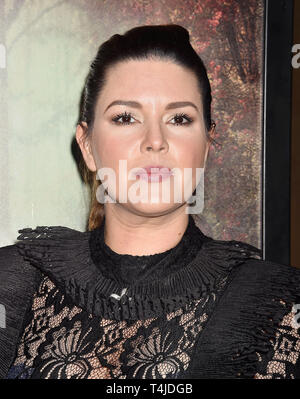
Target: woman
(143, 293)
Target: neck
(128, 233)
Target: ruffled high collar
(94, 277)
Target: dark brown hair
(165, 42)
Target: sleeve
(270, 320)
(18, 282)
(254, 331)
(283, 358)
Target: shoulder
(266, 266)
(37, 243)
(252, 279)
(259, 289)
(256, 309)
(20, 263)
(255, 275)
(14, 270)
(18, 282)
(9, 253)
(261, 293)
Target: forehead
(150, 78)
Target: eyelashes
(128, 116)
(116, 118)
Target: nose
(154, 139)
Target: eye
(126, 120)
(180, 117)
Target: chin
(153, 209)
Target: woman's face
(149, 113)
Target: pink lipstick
(154, 173)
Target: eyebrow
(135, 104)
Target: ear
(84, 143)
(211, 134)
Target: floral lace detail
(283, 361)
(61, 340)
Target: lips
(154, 173)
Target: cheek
(109, 151)
(191, 152)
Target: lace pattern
(84, 324)
(61, 340)
(283, 361)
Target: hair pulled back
(169, 42)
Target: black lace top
(203, 309)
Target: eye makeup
(128, 115)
